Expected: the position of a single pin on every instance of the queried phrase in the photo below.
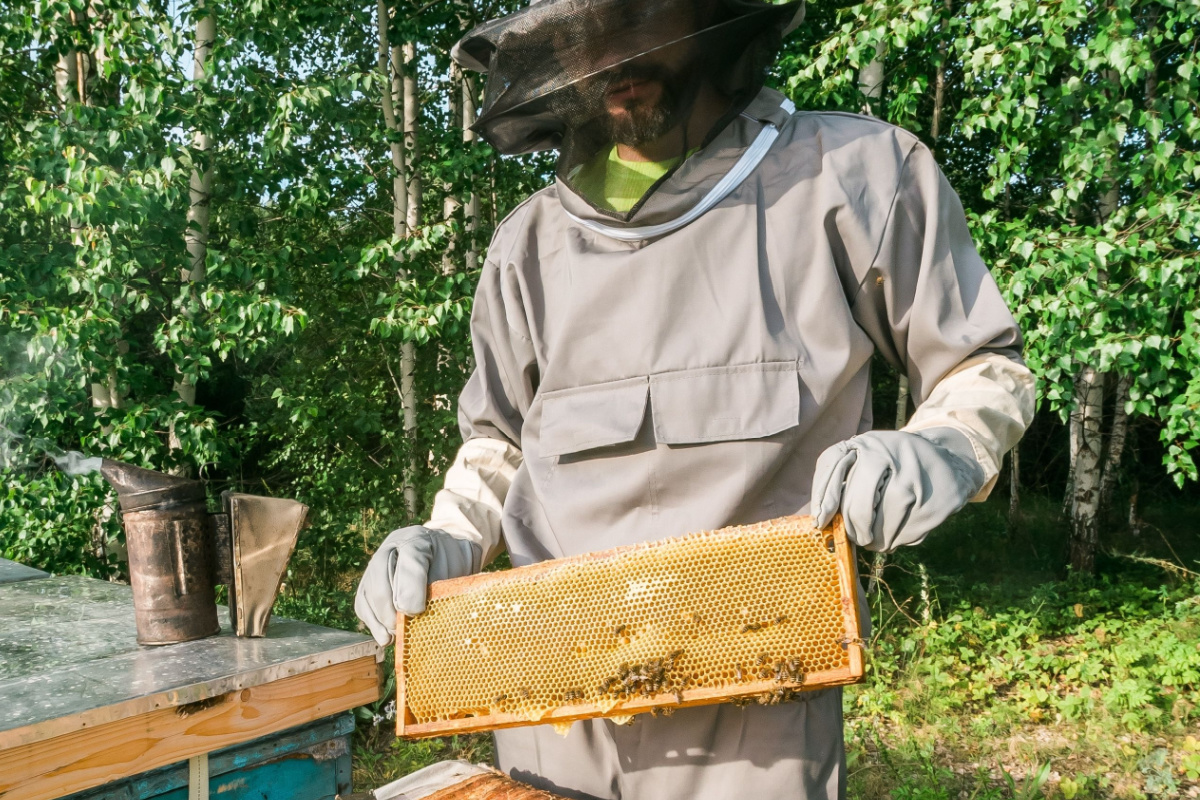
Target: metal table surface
(11, 572)
(70, 662)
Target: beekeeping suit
(696, 353)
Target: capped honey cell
(757, 613)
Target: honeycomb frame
(829, 608)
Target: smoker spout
(144, 489)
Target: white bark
(200, 185)
(406, 212)
(1087, 447)
(870, 81)
(1085, 501)
(408, 350)
(393, 94)
(469, 113)
(199, 196)
(412, 115)
(1074, 437)
(400, 93)
(450, 203)
(66, 77)
(1116, 442)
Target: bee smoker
(178, 553)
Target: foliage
(1070, 129)
(293, 337)
(1084, 687)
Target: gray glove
(398, 575)
(894, 487)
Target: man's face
(640, 98)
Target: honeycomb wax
(744, 614)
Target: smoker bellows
(178, 552)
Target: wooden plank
(847, 573)
(111, 751)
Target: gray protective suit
(691, 381)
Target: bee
(762, 658)
(667, 711)
(498, 699)
(738, 674)
(572, 694)
(696, 618)
(675, 656)
(525, 692)
(678, 697)
(781, 619)
(751, 626)
(620, 630)
(608, 684)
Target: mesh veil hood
(545, 63)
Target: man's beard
(643, 122)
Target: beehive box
(459, 780)
(744, 614)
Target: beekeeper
(677, 336)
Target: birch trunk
(450, 202)
(1116, 442)
(200, 184)
(199, 195)
(1074, 437)
(870, 82)
(1088, 445)
(399, 92)
(1085, 500)
(472, 213)
(408, 350)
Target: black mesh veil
(582, 75)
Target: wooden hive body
(743, 614)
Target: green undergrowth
(992, 676)
(992, 673)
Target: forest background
(240, 240)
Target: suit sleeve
(935, 312)
(491, 412)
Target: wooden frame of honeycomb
(744, 614)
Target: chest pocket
(718, 404)
(607, 476)
(590, 417)
(748, 401)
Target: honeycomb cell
(753, 613)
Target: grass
(993, 674)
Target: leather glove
(894, 487)
(398, 576)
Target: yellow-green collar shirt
(614, 184)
